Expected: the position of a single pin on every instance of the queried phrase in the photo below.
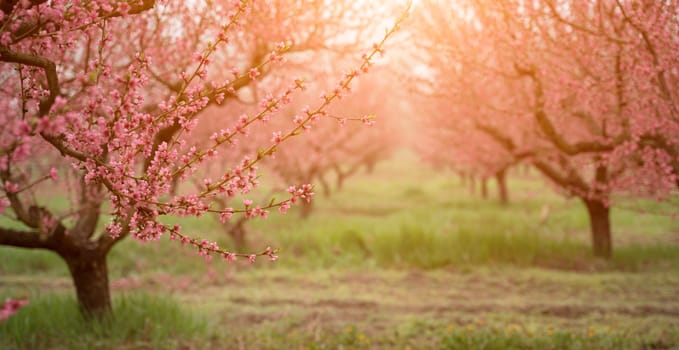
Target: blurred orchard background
(485, 174)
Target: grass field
(402, 258)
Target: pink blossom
(11, 306)
(124, 7)
(253, 73)
(53, 173)
(11, 187)
(230, 257)
(284, 207)
(277, 137)
(226, 215)
(368, 120)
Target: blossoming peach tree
(584, 91)
(100, 100)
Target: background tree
(583, 91)
(332, 153)
(329, 154)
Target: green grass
(391, 261)
(517, 337)
(54, 322)
(393, 219)
(471, 336)
(411, 243)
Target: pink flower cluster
(11, 306)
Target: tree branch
(53, 240)
(27, 29)
(36, 61)
(547, 126)
(566, 182)
(659, 142)
(22, 239)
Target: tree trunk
(501, 179)
(472, 185)
(484, 188)
(370, 165)
(340, 181)
(90, 276)
(85, 258)
(600, 224)
(237, 232)
(324, 185)
(305, 209)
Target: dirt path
(381, 300)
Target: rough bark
(340, 181)
(325, 185)
(90, 277)
(305, 209)
(85, 258)
(503, 194)
(237, 231)
(484, 188)
(600, 225)
(370, 165)
(472, 185)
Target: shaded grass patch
(422, 335)
(55, 322)
(437, 240)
